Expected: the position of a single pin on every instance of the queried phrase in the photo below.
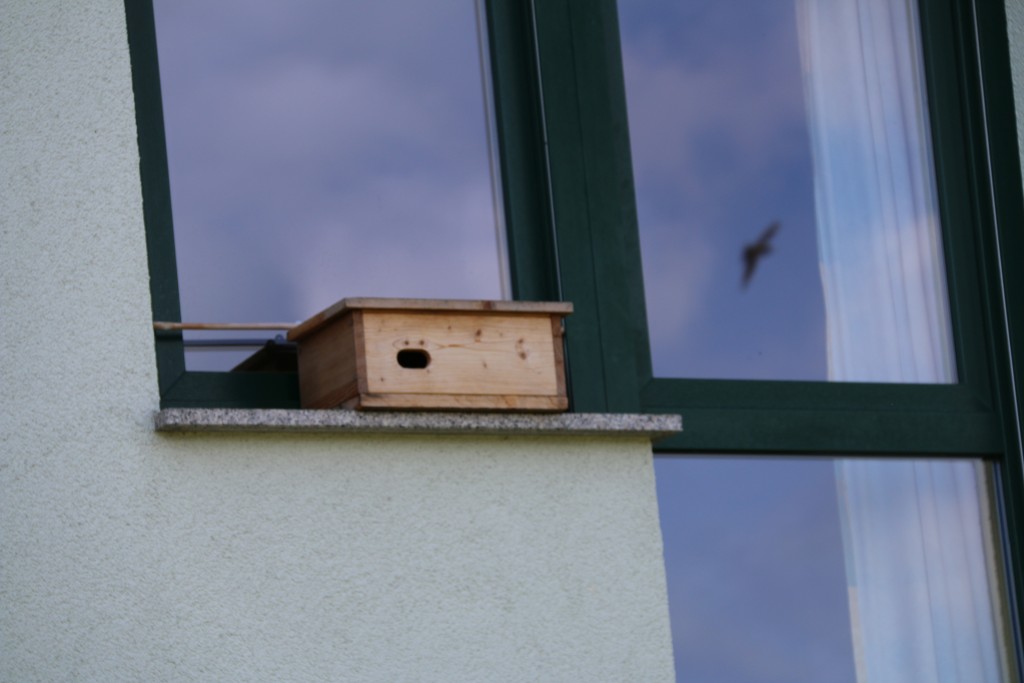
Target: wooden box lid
(561, 308)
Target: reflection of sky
(720, 150)
(754, 560)
(320, 150)
(753, 548)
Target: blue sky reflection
(754, 561)
(720, 150)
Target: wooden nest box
(428, 354)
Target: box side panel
(467, 354)
(327, 365)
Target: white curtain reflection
(919, 570)
(878, 238)
(916, 535)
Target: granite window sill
(394, 422)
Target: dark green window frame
(567, 179)
(593, 206)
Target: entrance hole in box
(413, 359)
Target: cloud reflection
(320, 150)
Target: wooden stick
(174, 327)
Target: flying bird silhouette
(755, 251)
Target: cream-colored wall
(131, 555)
(1015, 27)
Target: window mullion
(591, 177)
(517, 112)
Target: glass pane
(321, 150)
(774, 576)
(785, 190)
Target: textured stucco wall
(1015, 27)
(131, 555)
